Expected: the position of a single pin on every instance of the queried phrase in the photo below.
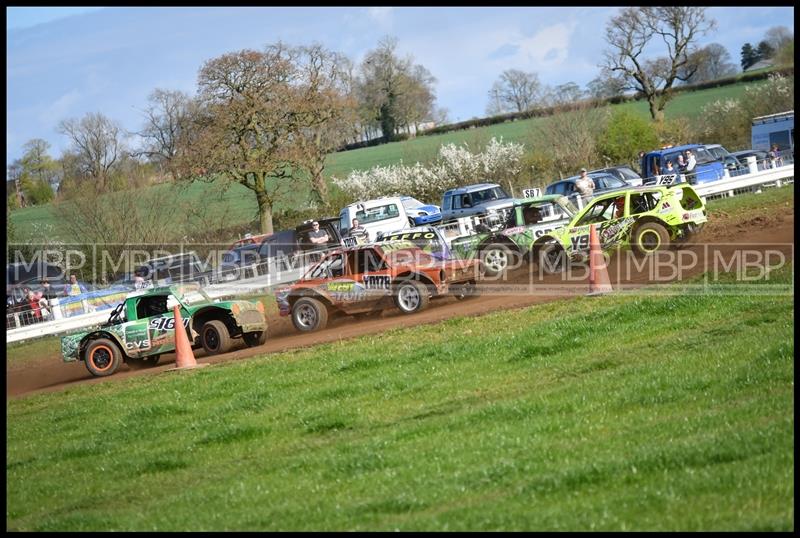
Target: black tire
(102, 357)
(309, 314)
(253, 339)
(649, 237)
(411, 296)
(496, 259)
(411, 222)
(143, 362)
(215, 337)
(551, 258)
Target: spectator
(317, 236)
(33, 303)
(774, 157)
(138, 280)
(74, 287)
(358, 232)
(641, 163)
(681, 164)
(47, 290)
(585, 185)
(691, 164)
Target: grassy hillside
(622, 412)
(239, 204)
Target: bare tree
(778, 36)
(514, 91)
(326, 108)
(393, 91)
(98, 142)
(709, 63)
(603, 87)
(567, 93)
(634, 29)
(165, 116)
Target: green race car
(530, 219)
(645, 219)
(142, 327)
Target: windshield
(703, 156)
(378, 213)
(412, 203)
(567, 207)
(195, 296)
(487, 195)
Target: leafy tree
(637, 29)
(749, 56)
(166, 115)
(765, 50)
(625, 136)
(603, 87)
(785, 54)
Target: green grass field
(622, 412)
(239, 204)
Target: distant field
(239, 204)
(623, 412)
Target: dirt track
(776, 233)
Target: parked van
(773, 129)
(379, 216)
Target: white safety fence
(251, 280)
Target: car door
(160, 323)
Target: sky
(66, 62)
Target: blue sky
(65, 62)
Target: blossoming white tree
(499, 162)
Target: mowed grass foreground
(657, 412)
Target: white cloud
(547, 48)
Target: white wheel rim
(496, 260)
(306, 315)
(409, 297)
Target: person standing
(691, 164)
(317, 236)
(74, 287)
(585, 185)
(358, 232)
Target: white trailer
(773, 129)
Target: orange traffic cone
(184, 357)
(599, 282)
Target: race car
(530, 219)
(645, 219)
(370, 278)
(142, 327)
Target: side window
(457, 201)
(600, 212)
(466, 201)
(151, 306)
(367, 261)
(448, 202)
(644, 202)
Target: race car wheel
(650, 237)
(102, 357)
(309, 314)
(411, 222)
(143, 362)
(215, 337)
(257, 338)
(552, 258)
(496, 259)
(411, 296)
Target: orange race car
(370, 278)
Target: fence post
(55, 307)
(752, 164)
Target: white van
(379, 216)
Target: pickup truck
(370, 278)
(142, 327)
